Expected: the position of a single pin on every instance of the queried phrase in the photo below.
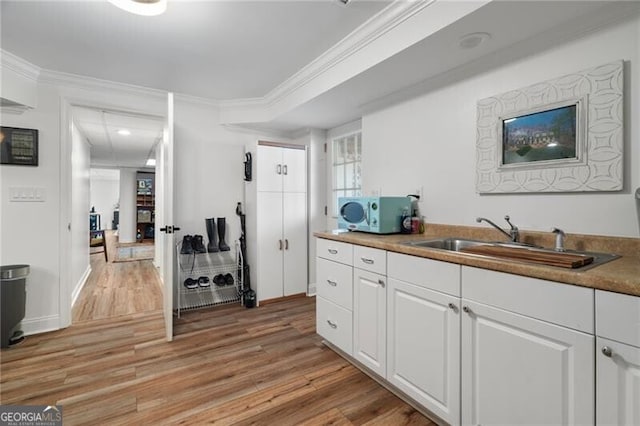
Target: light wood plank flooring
(114, 289)
(227, 365)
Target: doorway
(116, 150)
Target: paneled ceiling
(109, 147)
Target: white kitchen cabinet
(334, 301)
(517, 369)
(282, 244)
(369, 320)
(281, 169)
(423, 346)
(617, 359)
(335, 324)
(281, 218)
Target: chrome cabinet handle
(279, 244)
(284, 170)
(286, 244)
(332, 283)
(606, 351)
(367, 261)
(381, 282)
(332, 324)
(332, 251)
(279, 169)
(466, 309)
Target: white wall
(128, 188)
(30, 231)
(80, 159)
(430, 141)
(105, 193)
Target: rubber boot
(222, 229)
(212, 247)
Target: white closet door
(269, 168)
(270, 245)
(294, 172)
(294, 221)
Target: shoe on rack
(190, 283)
(219, 280)
(203, 281)
(228, 279)
(187, 245)
(212, 246)
(198, 244)
(222, 231)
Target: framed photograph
(565, 134)
(18, 146)
(542, 137)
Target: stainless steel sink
(449, 244)
(458, 244)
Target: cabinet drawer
(334, 282)
(334, 250)
(618, 317)
(335, 324)
(370, 259)
(563, 304)
(427, 273)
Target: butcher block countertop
(621, 275)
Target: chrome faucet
(559, 239)
(513, 233)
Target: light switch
(27, 194)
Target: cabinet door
(423, 346)
(518, 370)
(294, 170)
(370, 320)
(617, 383)
(270, 245)
(269, 168)
(294, 219)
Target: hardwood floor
(114, 289)
(227, 365)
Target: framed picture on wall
(18, 147)
(544, 136)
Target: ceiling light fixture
(469, 41)
(142, 7)
(124, 132)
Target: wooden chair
(98, 239)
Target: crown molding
(196, 100)
(374, 28)
(59, 78)
(14, 109)
(20, 66)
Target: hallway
(117, 288)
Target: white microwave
(379, 215)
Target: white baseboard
(311, 290)
(40, 325)
(78, 288)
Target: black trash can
(13, 298)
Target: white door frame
(66, 122)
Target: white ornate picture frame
(593, 158)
